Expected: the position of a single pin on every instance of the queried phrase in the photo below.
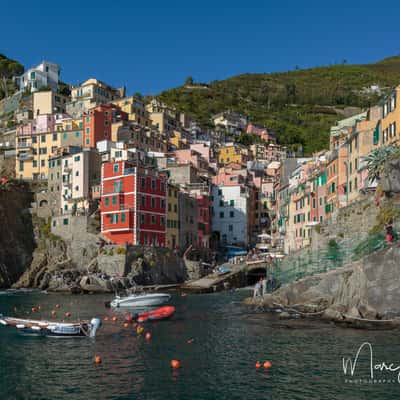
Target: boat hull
(141, 300)
(158, 314)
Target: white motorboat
(141, 300)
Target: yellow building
(390, 118)
(136, 110)
(172, 217)
(233, 153)
(34, 146)
(48, 102)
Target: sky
(150, 46)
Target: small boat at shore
(141, 300)
(156, 315)
(53, 329)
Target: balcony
(24, 145)
(24, 157)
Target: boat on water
(141, 300)
(53, 329)
(156, 315)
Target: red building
(204, 220)
(97, 123)
(133, 204)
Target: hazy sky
(154, 45)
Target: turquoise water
(228, 339)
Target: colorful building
(173, 217)
(133, 204)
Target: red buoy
(148, 336)
(114, 319)
(258, 365)
(68, 314)
(53, 313)
(58, 306)
(126, 324)
(106, 318)
(175, 364)
(97, 360)
(33, 309)
(267, 364)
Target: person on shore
(390, 233)
(256, 292)
(263, 286)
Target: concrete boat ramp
(239, 275)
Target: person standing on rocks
(257, 288)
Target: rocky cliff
(367, 289)
(16, 233)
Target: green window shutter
(122, 217)
(106, 201)
(114, 200)
(376, 135)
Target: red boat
(155, 315)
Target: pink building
(189, 156)
(262, 131)
(230, 177)
(203, 149)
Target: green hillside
(300, 105)
(8, 68)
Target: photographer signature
(349, 365)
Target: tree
(8, 68)
(189, 80)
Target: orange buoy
(58, 306)
(267, 364)
(148, 336)
(105, 318)
(126, 324)
(258, 364)
(53, 313)
(33, 309)
(175, 364)
(114, 319)
(97, 359)
(68, 314)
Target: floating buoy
(148, 336)
(53, 313)
(68, 314)
(97, 360)
(33, 309)
(126, 324)
(58, 306)
(114, 319)
(175, 364)
(135, 324)
(190, 341)
(105, 318)
(39, 307)
(258, 365)
(267, 364)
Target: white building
(44, 74)
(80, 171)
(230, 214)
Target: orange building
(97, 123)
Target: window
(65, 135)
(162, 186)
(114, 218)
(355, 183)
(162, 221)
(43, 138)
(65, 221)
(153, 202)
(118, 186)
(320, 201)
(87, 141)
(34, 164)
(221, 214)
(162, 204)
(219, 192)
(232, 214)
(356, 164)
(77, 173)
(143, 201)
(77, 158)
(142, 219)
(114, 200)
(175, 208)
(169, 207)
(42, 163)
(350, 186)
(55, 136)
(34, 139)
(153, 184)
(221, 203)
(153, 220)
(313, 203)
(143, 182)
(87, 120)
(76, 188)
(230, 228)
(107, 201)
(115, 167)
(123, 217)
(87, 130)
(232, 203)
